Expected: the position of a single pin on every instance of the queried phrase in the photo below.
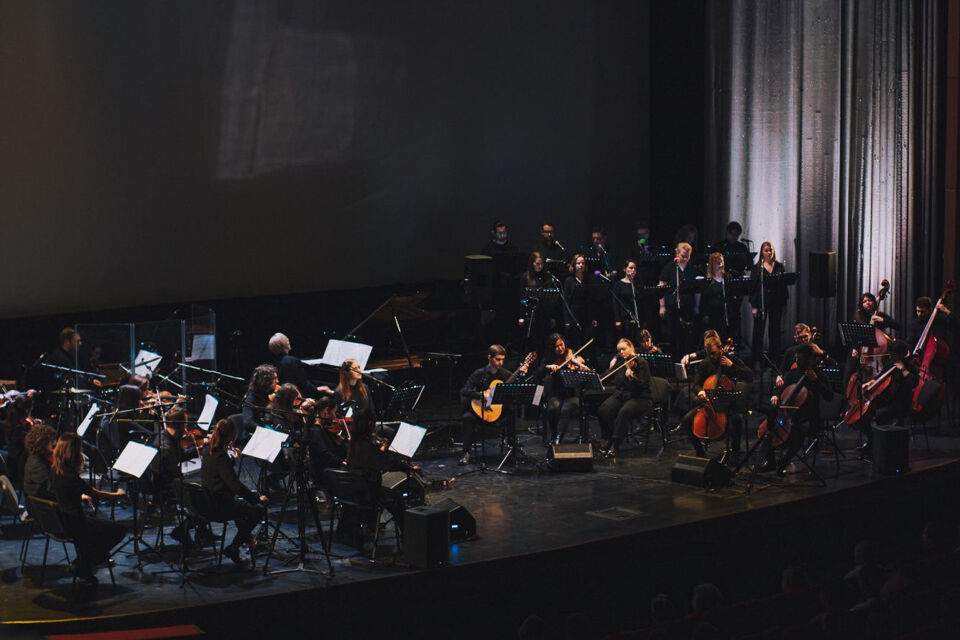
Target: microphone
(597, 273)
(676, 259)
(562, 248)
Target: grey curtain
(820, 114)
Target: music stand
(133, 461)
(580, 381)
(661, 364)
(511, 393)
(404, 399)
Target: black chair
(201, 509)
(655, 419)
(349, 489)
(50, 521)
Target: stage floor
(528, 511)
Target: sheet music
(146, 363)
(537, 395)
(408, 439)
(209, 409)
(204, 347)
(135, 458)
(679, 371)
(338, 350)
(191, 466)
(82, 429)
(265, 444)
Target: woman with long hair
(94, 537)
(538, 311)
(560, 403)
(628, 311)
(768, 304)
(718, 310)
(223, 487)
(263, 383)
(578, 314)
(39, 443)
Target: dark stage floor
(525, 513)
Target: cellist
(893, 404)
(804, 420)
(729, 365)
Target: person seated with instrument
(15, 426)
(560, 403)
(646, 343)
(476, 395)
(945, 324)
(289, 367)
(893, 400)
(698, 355)
(301, 419)
(717, 368)
(802, 335)
(263, 383)
(795, 408)
(223, 487)
(351, 395)
(165, 467)
(94, 536)
(630, 376)
(39, 442)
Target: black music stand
(855, 335)
(404, 399)
(580, 381)
(661, 364)
(509, 394)
(133, 465)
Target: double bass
(932, 352)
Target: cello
(932, 352)
(709, 423)
(791, 398)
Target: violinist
(223, 488)
(679, 309)
(15, 426)
(299, 417)
(39, 442)
(802, 421)
(729, 365)
(263, 383)
(631, 400)
(165, 467)
(560, 403)
(767, 304)
(646, 343)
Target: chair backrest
(660, 390)
(9, 501)
(347, 486)
(47, 515)
(196, 500)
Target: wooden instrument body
(709, 423)
(492, 413)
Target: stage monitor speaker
(890, 446)
(823, 274)
(700, 472)
(426, 537)
(478, 277)
(571, 457)
(463, 526)
(409, 489)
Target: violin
(570, 360)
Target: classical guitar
(492, 413)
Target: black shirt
(624, 292)
(67, 489)
(36, 477)
(478, 382)
(946, 325)
(577, 295)
(632, 387)
(220, 480)
(290, 369)
(687, 300)
(775, 292)
(737, 371)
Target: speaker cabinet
(570, 457)
(700, 472)
(890, 445)
(463, 526)
(823, 274)
(426, 537)
(409, 489)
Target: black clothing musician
(868, 313)
(729, 365)
(578, 316)
(263, 383)
(474, 388)
(289, 367)
(39, 442)
(165, 466)
(768, 304)
(16, 424)
(539, 302)
(803, 421)
(731, 242)
(648, 271)
(597, 251)
(94, 537)
(560, 404)
(945, 324)
(551, 250)
(631, 399)
(894, 404)
(223, 488)
(719, 310)
(499, 243)
(351, 394)
(680, 308)
(628, 310)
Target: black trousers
(774, 320)
(94, 538)
(559, 412)
(472, 425)
(615, 415)
(244, 515)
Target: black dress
(94, 536)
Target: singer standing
(627, 312)
(554, 253)
(578, 318)
(679, 309)
(768, 304)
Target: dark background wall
(165, 152)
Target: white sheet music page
(209, 409)
(135, 458)
(408, 439)
(265, 444)
(82, 428)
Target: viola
(932, 352)
(709, 423)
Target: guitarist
(474, 389)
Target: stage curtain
(822, 125)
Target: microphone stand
(210, 371)
(633, 315)
(566, 305)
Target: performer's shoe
(233, 552)
(766, 466)
(465, 460)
